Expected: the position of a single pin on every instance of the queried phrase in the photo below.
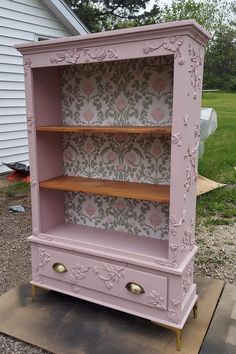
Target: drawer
(116, 279)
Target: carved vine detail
(191, 155)
(188, 238)
(177, 139)
(72, 56)
(186, 118)
(172, 44)
(44, 258)
(196, 61)
(156, 300)
(174, 311)
(187, 278)
(109, 274)
(33, 182)
(36, 233)
(175, 224)
(27, 65)
(30, 121)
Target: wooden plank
(106, 129)
(133, 190)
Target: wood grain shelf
(105, 129)
(133, 190)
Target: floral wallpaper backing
(123, 157)
(137, 217)
(138, 92)
(126, 92)
(126, 157)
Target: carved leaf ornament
(72, 56)
(172, 44)
(109, 274)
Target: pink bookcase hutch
(113, 126)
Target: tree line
(217, 16)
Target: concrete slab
(221, 336)
(65, 325)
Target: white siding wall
(20, 21)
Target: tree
(220, 60)
(211, 14)
(106, 15)
(216, 17)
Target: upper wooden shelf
(133, 190)
(104, 129)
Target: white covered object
(208, 125)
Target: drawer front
(116, 279)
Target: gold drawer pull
(59, 268)
(134, 288)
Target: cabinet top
(178, 28)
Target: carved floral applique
(72, 56)
(174, 311)
(196, 62)
(172, 44)
(109, 274)
(43, 258)
(156, 300)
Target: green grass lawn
(219, 161)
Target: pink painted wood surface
(130, 34)
(184, 41)
(113, 241)
(50, 156)
(119, 304)
(178, 306)
(47, 95)
(51, 207)
(102, 276)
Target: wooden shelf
(104, 129)
(133, 190)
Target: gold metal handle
(59, 268)
(135, 288)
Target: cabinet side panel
(50, 160)
(47, 96)
(184, 148)
(52, 211)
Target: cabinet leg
(195, 310)
(33, 292)
(178, 338)
(178, 333)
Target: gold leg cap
(195, 312)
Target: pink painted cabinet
(113, 123)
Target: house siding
(20, 21)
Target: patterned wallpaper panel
(127, 92)
(135, 92)
(125, 157)
(128, 157)
(140, 218)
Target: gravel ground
(215, 258)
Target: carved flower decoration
(173, 43)
(155, 299)
(72, 56)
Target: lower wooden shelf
(133, 190)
